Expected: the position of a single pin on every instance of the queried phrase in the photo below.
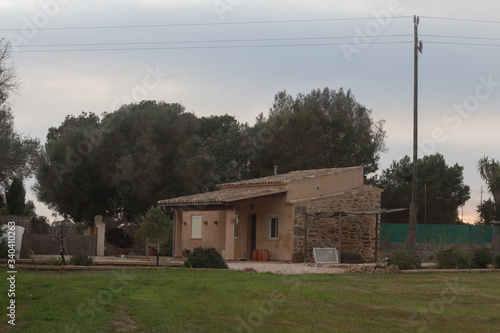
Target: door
(252, 234)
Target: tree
(323, 129)
(8, 75)
(16, 197)
(39, 225)
(121, 164)
(72, 177)
(17, 153)
(156, 226)
(440, 190)
(487, 212)
(489, 170)
(144, 153)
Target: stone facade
(359, 234)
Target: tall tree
(323, 129)
(489, 170)
(121, 164)
(17, 153)
(16, 197)
(487, 212)
(71, 176)
(8, 74)
(143, 150)
(440, 190)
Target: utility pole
(411, 237)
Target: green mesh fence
(439, 233)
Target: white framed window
(236, 226)
(196, 226)
(273, 226)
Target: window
(196, 226)
(273, 226)
(236, 226)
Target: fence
(68, 238)
(438, 233)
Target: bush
(404, 259)
(496, 261)
(205, 258)
(54, 262)
(119, 238)
(452, 258)
(81, 259)
(166, 249)
(481, 257)
(4, 248)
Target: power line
(204, 47)
(458, 43)
(205, 41)
(459, 19)
(206, 24)
(461, 37)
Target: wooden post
(305, 236)
(376, 237)
(411, 238)
(340, 237)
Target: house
(283, 213)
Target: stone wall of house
(359, 234)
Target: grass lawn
(226, 301)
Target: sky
(232, 56)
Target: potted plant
(152, 250)
(298, 256)
(185, 252)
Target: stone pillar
(100, 233)
(229, 243)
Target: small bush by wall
(496, 261)
(452, 258)
(205, 258)
(404, 259)
(81, 259)
(54, 262)
(481, 257)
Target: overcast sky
(233, 56)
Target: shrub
(166, 249)
(496, 261)
(481, 257)
(452, 258)
(119, 238)
(81, 259)
(4, 248)
(205, 258)
(54, 262)
(404, 259)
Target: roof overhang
(219, 200)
